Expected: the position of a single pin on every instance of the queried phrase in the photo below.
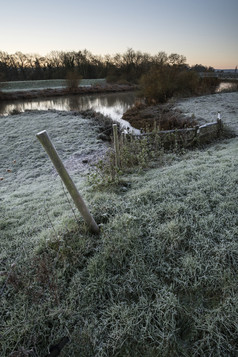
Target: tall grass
(161, 280)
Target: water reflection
(226, 86)
(113, 104)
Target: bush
(158, 85)
(187, 82)
(73, 79)
(208, 85)
(162, 83)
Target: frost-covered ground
(206, 108)
(160, 280)
(43, 84)
(31, 193)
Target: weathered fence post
(78, 200)
(196, 133)
(124, 138)
(116, 145)
(219, 124)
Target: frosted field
(31, 192)
(159, 280)
(43, 84)
(205, 108)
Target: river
(110, 104)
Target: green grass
(160, 280)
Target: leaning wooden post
(116, 144)
(78, 200)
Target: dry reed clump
(162, 117)
(135, 153)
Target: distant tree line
(127, 67)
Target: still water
(112, 104)
(226, 86)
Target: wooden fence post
(219, 124)
(78, 200)
(116, 145)
(124, 138)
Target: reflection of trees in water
(87, 102)
(223, 86)
(118, 102)
(6, 108)
(80, 102)
(2, 107)
(117, 99)
(73, 103)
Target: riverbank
(185, 113)
(50, 92)
(204, 109)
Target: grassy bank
(60, 92)
(160, 280)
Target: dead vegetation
(162, 117)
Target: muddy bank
(45, 93)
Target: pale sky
(204, 31)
